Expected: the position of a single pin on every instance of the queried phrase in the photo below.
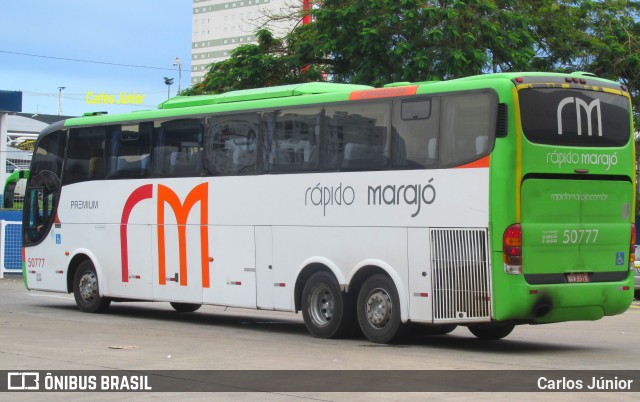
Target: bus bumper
(541, 304)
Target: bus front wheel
(491, 331)
(327, 311)
(85, 289)
(379, 309)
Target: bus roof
(298, 95)
(310, 88)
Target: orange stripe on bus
(480, 163)
(377, 93)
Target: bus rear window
(574, 117)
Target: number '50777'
(35, 262)
(578, 236)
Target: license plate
(577, 278)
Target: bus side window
(130, 146)
(178, 148)
(468, 127)
(357, 136)
(85, 155)
(231, 144)
(293, 145)
(415, 133)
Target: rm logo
(181, 211)
(588, 108)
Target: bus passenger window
(129, 150)
(357, 136)
(414, 138)
(85, 155)
(294, 145)
(468, 124)
(178, 148)
(231, 144)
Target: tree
(381, 41)
(267, 63)
(601, 37)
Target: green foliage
(270, 62)
(380, 41)
(601, 37)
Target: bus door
(232, 265)
(182, 242)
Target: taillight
(632, 247)
(512, 249)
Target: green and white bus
(13, 190)
(487, 202)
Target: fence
(10, 247)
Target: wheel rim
(88, 286)
(321, 303)
(379, 308)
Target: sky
(149, 33)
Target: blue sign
(10, 101)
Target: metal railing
(10, 247)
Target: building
(221, 25)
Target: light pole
(168, 81)
(60, 94)
(177, 62)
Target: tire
(86, 290)
(185, 307)
(636, 294)
(378, 309)
(327, 311)
(491, 331)
(431, 330)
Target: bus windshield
(574, 117)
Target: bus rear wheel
(86, 291)
(327, 311)
(185, 307)
(491, 331)
(379, 309)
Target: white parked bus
(360, 207)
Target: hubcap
(379, 308)
(321, 305)
(88, 286)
